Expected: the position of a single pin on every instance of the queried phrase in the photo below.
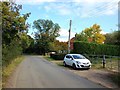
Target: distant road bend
(36, 72)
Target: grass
(48, 58)
(96, 66)
(111, 63)
(7, 71)
(58, 62)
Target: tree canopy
(59, 47)
(92, 34)
(113, 38)
(12, 22)
(47, 31)
(13, 26)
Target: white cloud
(47, 8)
(80, 8)
(64, 35)
(85, 8)
(64, 11)
(78, 1)
(92, 1)
(103, 32)
(60, 8)
(92, 8)
(33, 1)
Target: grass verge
(97, 66)
(48, 58)
(58, 62)
(7, 71)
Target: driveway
(36, 72)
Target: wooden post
(69, 37)
(104, 61)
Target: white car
(76, 61)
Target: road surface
(36, 72)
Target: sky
(83, 13)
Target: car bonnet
(82, 60)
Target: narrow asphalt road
(36, 72)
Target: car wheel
(64, 64)
(74, 66)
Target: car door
(70, 60)
(67, 59)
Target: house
(71, 43)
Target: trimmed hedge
(97, 49)
(57, 56)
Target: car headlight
(78, 62)
(89, 62)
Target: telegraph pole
(69, 37)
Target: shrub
(57, 56)
(10, 52)
(93, 48)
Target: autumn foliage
(92, 34)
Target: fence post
(104, 61)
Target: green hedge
(98, 49)
(57, 56)
(10, 52)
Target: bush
(97, 49)
(57, 56)
(10, 52)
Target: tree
(30, 45)
(12, 25)
(112, 38)
(92, 34)
(25, 41)
(47, 31)
(12, 22)
(59, 47)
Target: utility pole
(69, 37)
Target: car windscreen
(78, 57)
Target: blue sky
(83, 13)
